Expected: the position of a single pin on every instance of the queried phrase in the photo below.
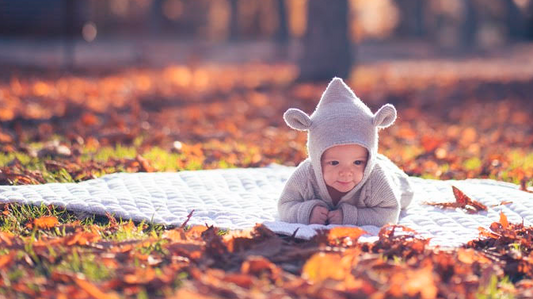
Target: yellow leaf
(322, 266)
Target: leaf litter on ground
(153, 120)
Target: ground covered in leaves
(457, 119)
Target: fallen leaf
(7, 259)
(320, 267)
(242, 280)
(45, 222)
(93, 290)
(341, 232)
(81, 238)
(503, 220)
(255, 265)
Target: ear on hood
(385, 116)
(297, 119)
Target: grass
(496, 289)
(17, 216)
(86, 264)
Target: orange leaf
(6, 259)
(174, 235)
(7, 238)
(470, 256)
(81, 238)
(196, 231)
(345, 232)
(503, 220)
(89, 119)
(323, 266)
(242, 280)
(141, 276)
(92, 290)
(422, 283)
(487, 233)
(45, 222)
(189, 294)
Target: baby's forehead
(351, 150)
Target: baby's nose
(346, 172)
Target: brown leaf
(145, 164)
(461, 201)
(184, 224)
(255, 265)
(523, 185)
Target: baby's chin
(343, 188)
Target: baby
(344, 180)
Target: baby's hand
(319, 215)
(335, 217)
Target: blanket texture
(240, 198)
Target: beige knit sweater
(342, 118)
(377, 202)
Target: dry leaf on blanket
(461, 201)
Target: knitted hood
(340, 118)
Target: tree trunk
(515, 21)
(68, 34)
(469, 26)
(234, 32)
(326, 47)
(529, 21)
(282, 34)
(411, 18)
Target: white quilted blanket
(240, 198)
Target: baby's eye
(359, 162)
(334, 163)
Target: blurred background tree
(318, 35)
(326, 49)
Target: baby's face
(343, 166)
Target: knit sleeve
(381, 205)
(297, 200)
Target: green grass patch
(473, 163)
(496, 289)
(17, 216)
(85, 263)
(163, 160)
